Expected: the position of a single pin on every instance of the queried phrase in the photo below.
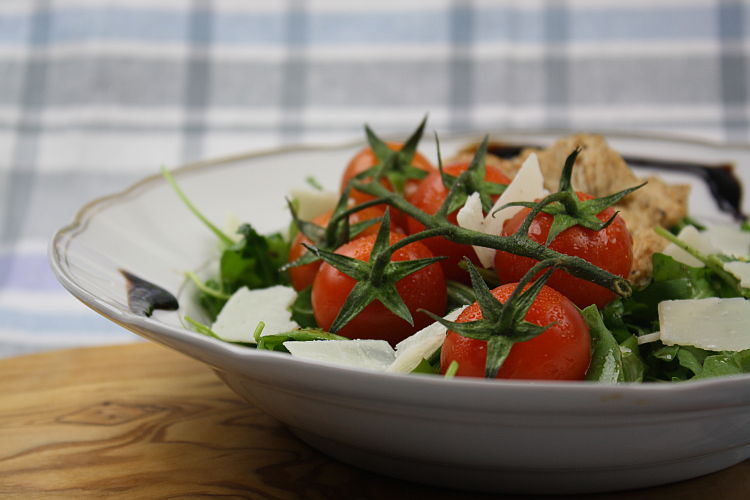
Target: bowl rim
(692, 390)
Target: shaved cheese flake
(729, 240)
(527, 185)
(741, 270)
(423, 344)
(470, 216)
(372, 354)
(313, 203)
(694, 238)
(649, 337)
(246, 308)
(714, 324)
(232, 225)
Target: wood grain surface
(140, 421)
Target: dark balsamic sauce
(721, 179)
(144, 297)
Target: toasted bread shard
(601, 171)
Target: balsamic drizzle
(721, 179)
(144, 296)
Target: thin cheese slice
(694, 238)
(649, 337)
(741, 270)
(246, 308)
(729, 240)
(372, 354)
(423, 344)
(470, 216)
(232, 225)
(714, 324)
(527, 185)
(313, 203)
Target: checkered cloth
(95, 94)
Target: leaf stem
(205, 288)
(515, 244)
(218, 232)
(450, 372)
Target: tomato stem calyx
(567, 209)
(396, 166)
(376, 278)
(471, 180)
(337, 232)
(503, 324)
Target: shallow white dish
(464, 433)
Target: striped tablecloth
(95, 94)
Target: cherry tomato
(610, 249)
(428, 197)
(303, 276)
(424, 289)
(562, 352)
(365, 159)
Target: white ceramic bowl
(466, 433)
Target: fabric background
(96, 94)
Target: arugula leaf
(302, 311)
(424, 366)
(210, 303)
(627, 319)
(201, 328)
(664, 363)
(679, 363)
(633, 366)
(606, 359)
(671, 280)
(691, 358)
(254, 261)
(726, 363)
(313, 182)
(610, 361)
(459, 295)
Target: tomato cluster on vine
(367, 288)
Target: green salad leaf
(637, 315)
(611, 361)
(302, 310)
(253, 261)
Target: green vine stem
(515, 244)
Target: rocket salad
(545, 289)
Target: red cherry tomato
(424, 289)
(562, 352)
(428, 197)
(303, 276)
(365, 159)
(610, 249)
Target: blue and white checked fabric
(95, 94)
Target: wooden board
(140, 421)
